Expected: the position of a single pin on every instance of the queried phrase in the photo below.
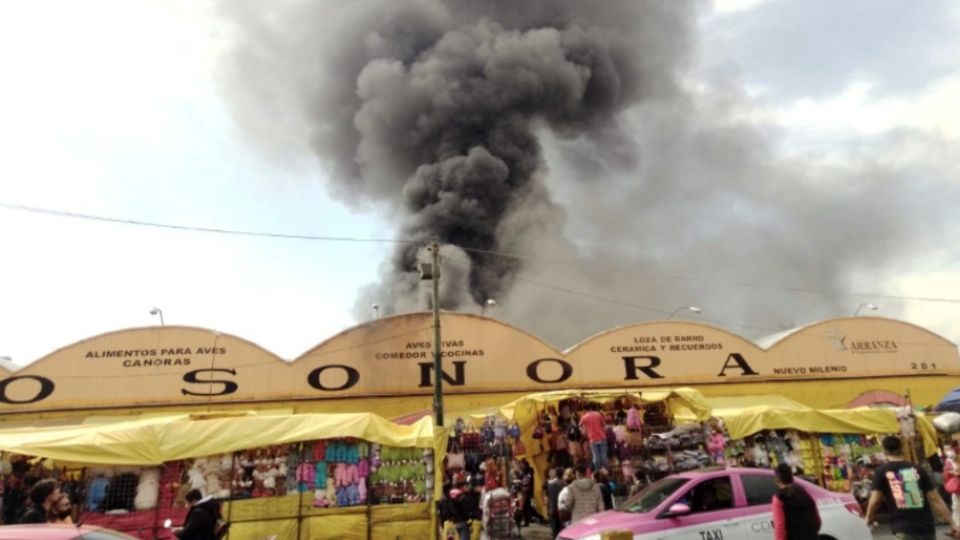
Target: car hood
(613, 520)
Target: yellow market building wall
(385, 367)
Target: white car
(717, 504)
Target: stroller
(498, 520)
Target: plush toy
(907, 420)
(716, 445)
(760, 457)
(226, 463)
(374, 457)
(270, 479)
(97, 492)
(195, 476)
(634, 421)
(148, 490)
(307, 474)
(353, 495)
(320, 498)
(340, 475)
(331, 494)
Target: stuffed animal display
(257, 473)
(401, 475)
(335, 472)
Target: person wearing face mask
(61, 510)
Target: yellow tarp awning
(746, 415)
(154, 440)
(524, 410)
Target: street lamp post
(488, 304)
(694, 309)
(431, 271)
(376, 311)
(867, 305)
(157, 311)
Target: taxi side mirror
(676, 510)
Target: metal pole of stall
(369, 509)
(300, 494)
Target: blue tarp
(950, 402)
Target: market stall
(277, 475)
(642, 436)
(838, 448)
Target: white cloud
(726, 7)
(859, 111)
(109, 108)
(939, 316)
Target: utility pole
(437, 364)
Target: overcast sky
(114, 108)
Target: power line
(105, 219)
(613, 269)
(518, 256)
(717, 322)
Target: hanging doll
(634, 421)
(907, 420)
(716, 445)
(491, 475)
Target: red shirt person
(795, 514)
(593, 424)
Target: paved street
(540, 532)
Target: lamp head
(491, 302)
(154, 311)
(695, 309)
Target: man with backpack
(581, 498)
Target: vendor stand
(837, 448)
(548, 421)
(290, 476)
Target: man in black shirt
(201, 522)
(42, 495)
(910, 496)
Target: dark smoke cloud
(566, 130)
(434, 107)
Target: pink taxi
(717, 504)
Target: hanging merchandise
(481, 455)
(634, 422)
(401, 477)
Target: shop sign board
(394, 357)
(688, 353)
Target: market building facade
(339, 443)
(832, 364)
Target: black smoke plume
(574, 130)
(435, 107)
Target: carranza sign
(393, 356)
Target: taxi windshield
(651, 496)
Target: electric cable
(517, 256)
